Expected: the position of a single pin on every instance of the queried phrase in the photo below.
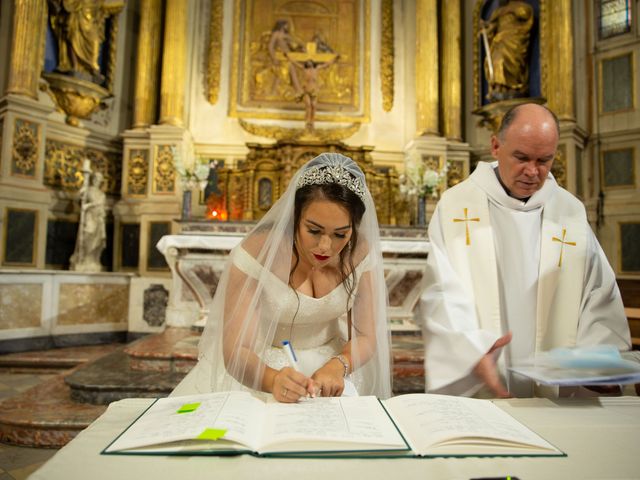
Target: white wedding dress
(318, 331)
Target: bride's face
(324, 230)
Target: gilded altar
(249, 190)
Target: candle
(86, 165)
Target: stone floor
(21, 372)
(17, 463)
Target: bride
(310, 273)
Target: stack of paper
(596, 365)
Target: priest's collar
(486, 177)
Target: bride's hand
(289, 385)
(329, 379)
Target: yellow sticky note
(212, 434)
(188, 407)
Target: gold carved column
(174, 61)
(451, 70)
(27, 48)
(559, 52)
(427, 105)
(146, 92)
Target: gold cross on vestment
(563, 243)
(466, 221)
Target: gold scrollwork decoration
(164, 173)
(455, 172)
(282, 133)
(545, 65)
(215, 50)
(63, 166)
(24, 154)
(75, 97)
(559, 168)
(386, 54)
(112, 12)
(138, 172)
(431, 162)
(477, 101)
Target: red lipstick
(321, 258)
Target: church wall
(60, 147)
(613, 152)
(217, 134)
(209, 124)
(389, 132)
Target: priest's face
(525, 151)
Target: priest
(514, 268)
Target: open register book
(409, 425)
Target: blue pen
(291, 355)
(293, 360)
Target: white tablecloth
(601, 438)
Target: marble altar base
(197, 257)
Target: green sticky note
(188, 407)
(212, 434)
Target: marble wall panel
(129, 248)
(61, 241)
(618, 168)
(20, 237)
(147, 307)
(617, 84)
(92, 303)
(630, 247)
(155, 260)
(20, 305)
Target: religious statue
(310, 86)
(92, 237)
(79, 29)
(505, 37)
(281, 41)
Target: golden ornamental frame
(362, 91)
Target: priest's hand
(290, 385)
(329, 379)
(488, 372)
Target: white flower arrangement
(420, 180)
(191, 177)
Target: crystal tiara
(319, 175)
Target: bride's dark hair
(343, 196)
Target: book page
(238, 413)
(341, 420)
(429, 421)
